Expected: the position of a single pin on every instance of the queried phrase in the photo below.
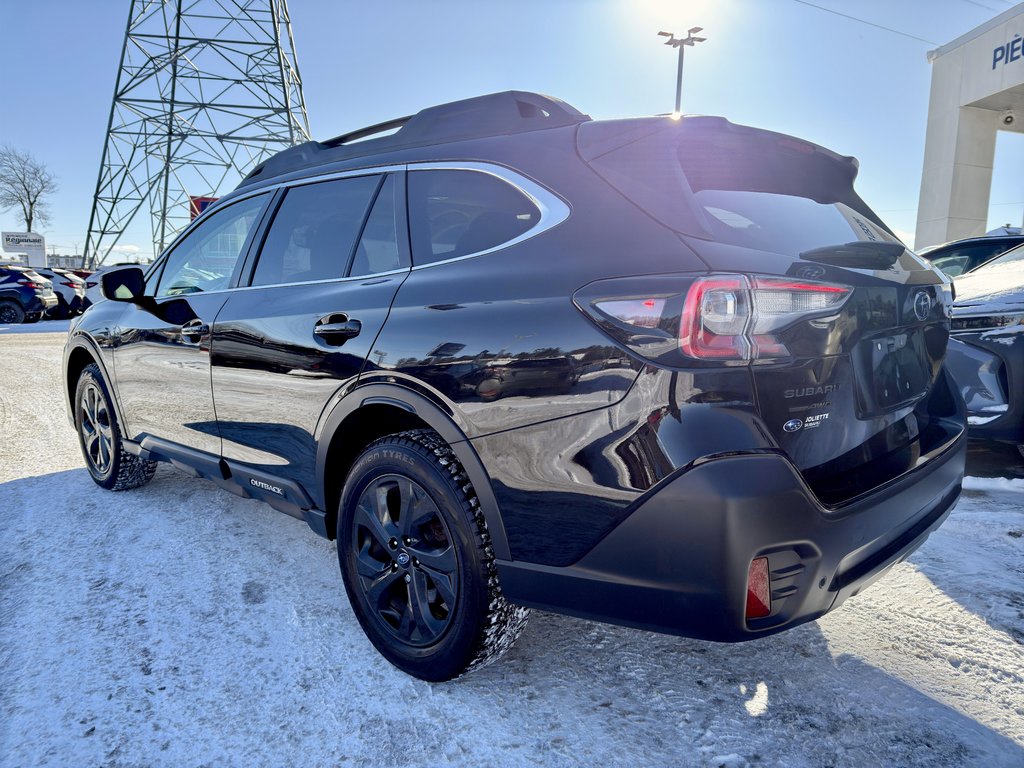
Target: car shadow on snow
(177, 620)
(41, 326)
(784, 699)
(977, 559)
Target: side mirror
(124, 284)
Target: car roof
(979, 240)
(496, 114)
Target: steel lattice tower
(206, 90)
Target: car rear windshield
(745, 187)
(1011, 256)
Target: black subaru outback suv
(673, 374)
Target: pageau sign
(29, 243)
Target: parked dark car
(986, 351)
(25, 296)
(721, 406)
(963, 256)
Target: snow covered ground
(179, 625)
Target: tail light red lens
(759, 590)
(717, 319)
(31, 284)
(715, 316)
(735, 316)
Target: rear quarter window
(454, 213)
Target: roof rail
(492, 115)
(362, 133)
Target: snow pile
(1014, 484)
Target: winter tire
(417, 560)
(99, 435)
(11, 313)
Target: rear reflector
(643, 313)
(759, 593)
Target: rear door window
(454, 213)
(378, 250)
(314, 231)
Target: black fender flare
(438, 420)
(86, 342)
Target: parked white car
(70, 291)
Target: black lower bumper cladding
(679, 562)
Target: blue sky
(778, 64)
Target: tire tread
(132, 471)
(504, 621)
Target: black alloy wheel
(11, 313)
(407, 565)
(416, 558)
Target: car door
(320, 289)
(161, 345)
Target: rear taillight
(759, 590)
(91, 284)
(32, 284)
(70, 284)
(715, 315)
(723, 319)
(735, 317)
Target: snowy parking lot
(179, 625)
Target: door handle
(194, 328)
(337, 329)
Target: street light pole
(681, 44)
(679, 80)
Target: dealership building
(977, 90)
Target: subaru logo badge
(403, 559)
(792, 425)
(922, 305)
(809, 272)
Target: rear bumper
(679, 562)
(37, 303)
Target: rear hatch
(29, 278)
(42, 285)
(841, 329)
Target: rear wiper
(863, 253)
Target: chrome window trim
(374, 276)
(553, 211)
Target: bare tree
(25, 184)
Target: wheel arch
(82, 353)
(376, 410)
